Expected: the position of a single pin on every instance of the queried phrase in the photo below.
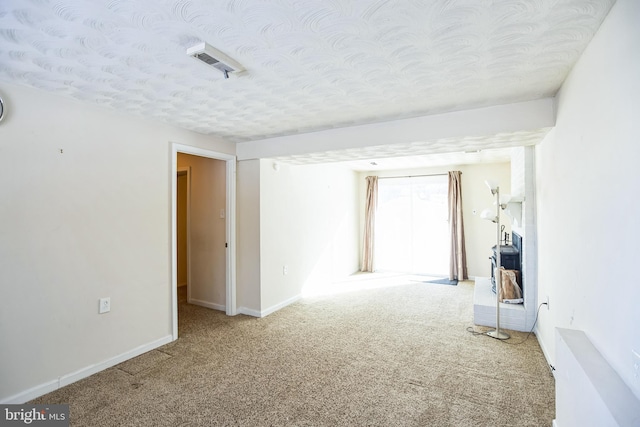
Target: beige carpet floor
(385, 356)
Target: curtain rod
(412, 176)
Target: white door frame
(230, 306)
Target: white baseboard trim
(545, 352)
(280, 305)
(67, 379)
(249, 312)
(268, 311)
(32, 393)
(207, 304)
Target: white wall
(587, 195)
(480, 235)
(207, 252)
(91, 221)
(308, 222)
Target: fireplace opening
(510, 259)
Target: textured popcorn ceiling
(310, 64)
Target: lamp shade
(489, 215)
(493, 186)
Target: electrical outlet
(285, 270)
(104, 306)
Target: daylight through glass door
(412, 230)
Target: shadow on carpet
(444, 281)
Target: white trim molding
(85, 372)
(268, 311)
(207, 304)
(230, 306)
(280, 305)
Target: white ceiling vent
(213, 57)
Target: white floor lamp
(487, 214)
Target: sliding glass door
(412, 230)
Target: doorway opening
(412, 229)
(182, 232)
(210, 258)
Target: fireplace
(510, 259)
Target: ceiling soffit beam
(498, 119)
